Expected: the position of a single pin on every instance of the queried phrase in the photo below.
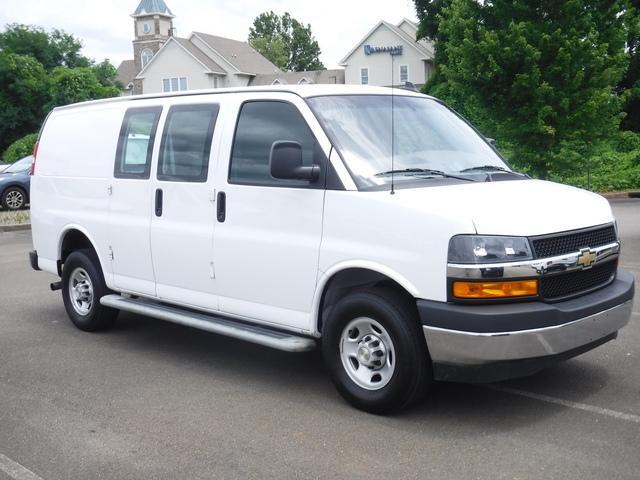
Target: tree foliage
(20, 148)
(286, 42)
(630, 84)
(538, 75)
(40, 70)
(51, 49)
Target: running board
(251, 333)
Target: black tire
(85, 263)
(12, 195)
(412, 375)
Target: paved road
(155, 400)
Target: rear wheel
(375, 351)
(82, 287)
(14, 198)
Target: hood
(519, 207)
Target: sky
(106, 29)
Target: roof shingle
(240, 54)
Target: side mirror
(285, 163)
(492, 141)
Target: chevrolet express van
(376, 224)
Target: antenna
(393, 191)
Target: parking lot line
(627, 417)
(15, 470)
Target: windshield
(428, 136)
(20, 166)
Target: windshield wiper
(487, 168)
(423, 171)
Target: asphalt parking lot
(155, 400)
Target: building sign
(393, 50)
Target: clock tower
(153, 23)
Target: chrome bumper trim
(455, 347)
(531, 268)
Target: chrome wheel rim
(367, 353)
(81, 291)
(14, 199)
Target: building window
(146, 28)
(404, 73)
(364, 76)
(146, 55)
(174, 84)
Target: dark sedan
(14, 184)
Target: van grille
(574, 283)
(554, 245)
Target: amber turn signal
(519, 288)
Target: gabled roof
(199, 55)
(239, 54)
(424, 48)
(126, 72)
(152, 7)
(291, 78)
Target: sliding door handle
(158, 202)
(222, 206)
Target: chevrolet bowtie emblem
(586, 258)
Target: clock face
(146, 28)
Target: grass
(14, 218)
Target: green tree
(106, 74)
(286, 42)
(71, 85)
(41, 70)
(51, 49)
(630, 84)
(538, 75)
(24, 93)
(428, 12)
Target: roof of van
(304, 91)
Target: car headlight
(477, 249)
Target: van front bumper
(487, 343)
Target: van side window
(135, 143)
(186, 143)
(260, 123)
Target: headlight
(488, 249)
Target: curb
(15, 228)
(621, 195)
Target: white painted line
(15, 470)
(627, 417)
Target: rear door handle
(158, 202)
(222, 206)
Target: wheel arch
(72, 238)
(18, 185)
(346, 277)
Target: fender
(75, 226)
(325, 277)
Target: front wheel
(82, 287)
(375, 351)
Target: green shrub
(611, 165)
(21, 148)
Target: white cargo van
(302, 216)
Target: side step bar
(252, 333)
